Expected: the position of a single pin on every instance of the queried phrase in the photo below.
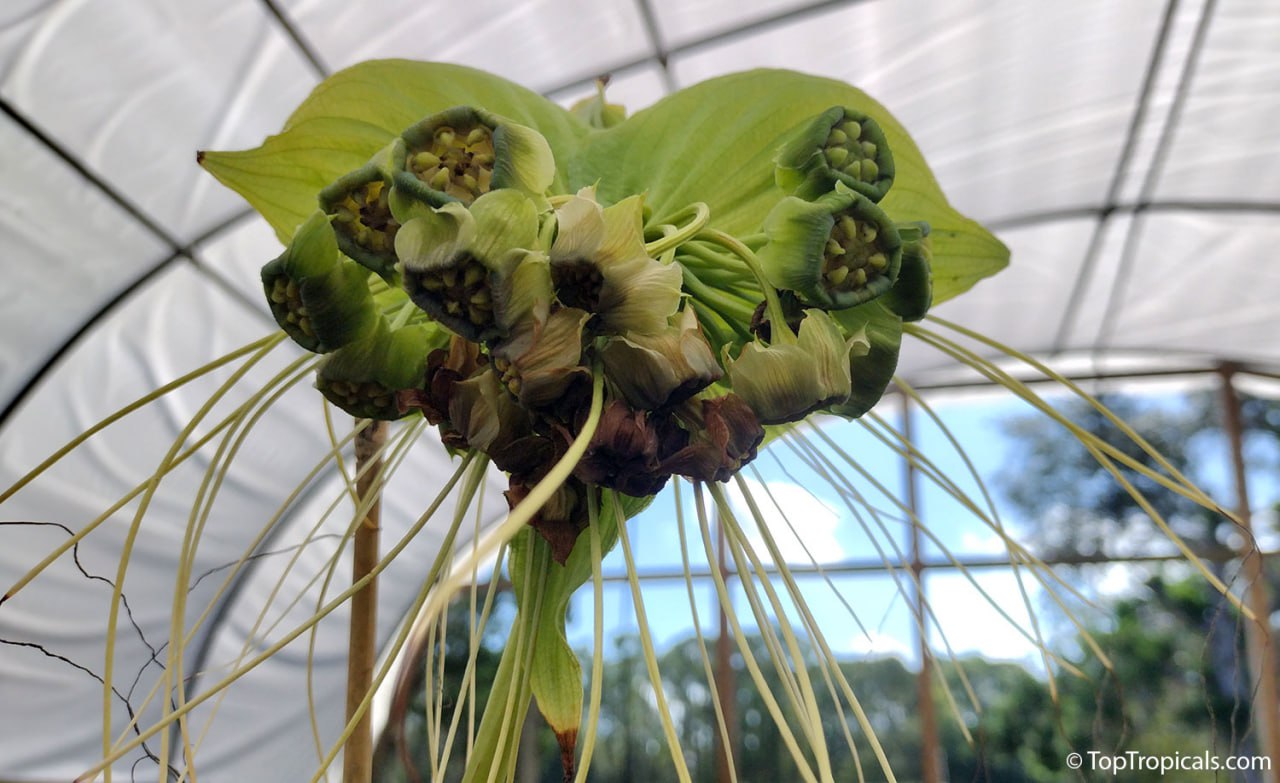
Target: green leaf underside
(713, 142)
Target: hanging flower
(542, 361)
(659, 370)
(912, 293)
(720, 435)
(464, 152)
(320, 300)
(599, 264)
(461, 265)
(365, 377)
(840, 145)
(623, 454)
(787, 380)
(835, 252)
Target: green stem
(699, 214)
(780, 332)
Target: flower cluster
(443, 279)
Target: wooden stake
(357, 757)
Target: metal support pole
(1258, 637)
(357, 759)
(930, 746)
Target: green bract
(464, 152)
(320, 300)
(840, 145)
(834, 252)
(458, 263)
(599, 264)
(787, 381)
(362, 378)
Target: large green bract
(707, 150)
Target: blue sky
(874, 617)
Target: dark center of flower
(357, 395)
(578, 284)
(286, 300)
(853, 256)
(460, 289)
(365, 216)
(459, 161)
(847, 151)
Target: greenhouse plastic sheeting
(1126, 152)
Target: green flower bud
(872, 367)
(787, 381)
(543, 360)
(599, 264)
(837, 251)
(364, 378)
(656, 371)
(321, 300)
(839, 145)
(596, 112)
(360, 203)
(912, 294)
(463, 153)
(458, 263)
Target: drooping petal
(540, 365)
(580, 228)
(785, 382)
(657, 371)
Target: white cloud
(874, 643)
(815, 520)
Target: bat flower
(365, 378)
(320, 299)
(462, 265)
(542, 361)
(839, 145)
(719, 436)
(655, 371)
(445, 368)
(623, 453)
(837, 251)
(462, 153)
(599, 264)
(361, 206)
(487, 418)
(787, 380)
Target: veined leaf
(714, 142)
(354, 113)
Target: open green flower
(542, 361)
(786, 381)
(659, 370)
(321, 300)
(599, 264)
(360, 203)
(461, 265)
(839, 145)
(837, 251)
(364, 378)
(463, 153)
